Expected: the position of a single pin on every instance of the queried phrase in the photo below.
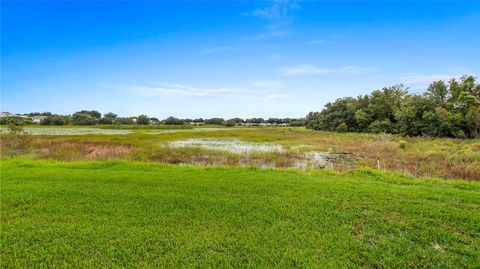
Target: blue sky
(226, 58)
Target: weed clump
(19, 139)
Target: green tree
(237, 120)
(362, 119)
(410, 116)
(93, 113)
(215, 121)
(173, 121)
(444, 110)
(108, 118)
(473, 121)
(384, 104)
(143, 120)
(79, 118)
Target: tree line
(445, 109)
(94, 117)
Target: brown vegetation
(447, 158)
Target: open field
(130, 214)
(294, 147)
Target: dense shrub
(342, 128)
(54, 120)
(381, 126)
(124, 121)
(19, 140)
(230, 123)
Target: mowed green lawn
(120, 214)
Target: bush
(381, 126)
(342, 128)
(124, 121)
(403, 144)
(297, 123)
(20, 139)
(105, 121)
(229, 123)
(54, 120)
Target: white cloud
(311, 69)
(180, 90)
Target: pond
(229, 145)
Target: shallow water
(229, 145)
(312, 159)
(188, 130)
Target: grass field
(131, 214)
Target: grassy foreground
(128, 214)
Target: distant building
(10, 115)
(5, 114)
(38, 119)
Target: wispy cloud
(278, 10)
(425, 79)
(311, 69)
(266, 84)
(419, 82)
(181, 90)
(276, 96)
(275, 56)
(317, 42)
(278, 16)
(267, 35)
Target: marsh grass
(144, 127)
(447, 158)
